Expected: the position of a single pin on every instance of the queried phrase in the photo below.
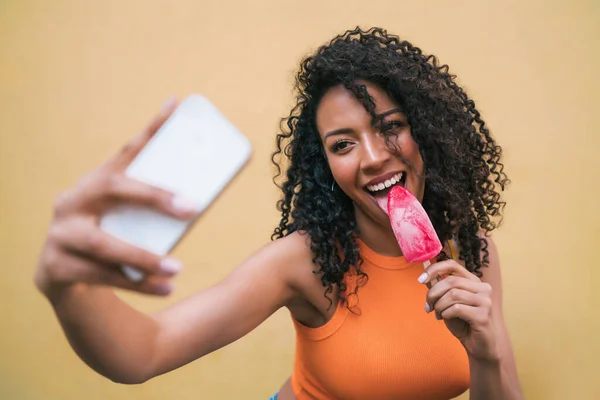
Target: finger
(135, 145)
(153, 284)
(454, 296)
(450, 283)
(84, 237)
(64, 202)
(77, 268)
(446, 267)
(100, 191)
(474, 316)
(123, 190)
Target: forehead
(339, 108)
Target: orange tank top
(388, 349)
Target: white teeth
(388, 183)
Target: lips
(384, 182)
(379, 188)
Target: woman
(372, 112)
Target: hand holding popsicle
(458, 297)
(464, 302)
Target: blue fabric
(274, 397)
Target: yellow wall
(78, 78)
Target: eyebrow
(378, 117)
(381, 116)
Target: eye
(392, 126)
(340, 145)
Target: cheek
(344, 171)
(410, 152)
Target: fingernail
(184, 205)
(427, 307)
(168, 104)
(423, 277)
(133, 274)
(171, 265)
(164, 288)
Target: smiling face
(362, 163)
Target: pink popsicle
(412, 227)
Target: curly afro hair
(463, 172)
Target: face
(362, 163)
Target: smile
(400, 177)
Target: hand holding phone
(193, 155)
(120, 194)
(76, 250)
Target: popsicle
(412, 227)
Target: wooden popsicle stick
(428, 263)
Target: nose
(375, 152)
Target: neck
(377, 236)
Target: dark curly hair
(463, 171)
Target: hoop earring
(332, 183)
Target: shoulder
(488, 247)
(290, 251)
(293, 258)
(490, 272)
(305, 284)
(296, 244)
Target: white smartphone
(194, 154)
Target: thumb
(136, 144)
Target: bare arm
(79, 266)
(498, 378)
(107, 334)
(229, 310)
(128, 346)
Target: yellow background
(78, 78)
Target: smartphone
(194, 154)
